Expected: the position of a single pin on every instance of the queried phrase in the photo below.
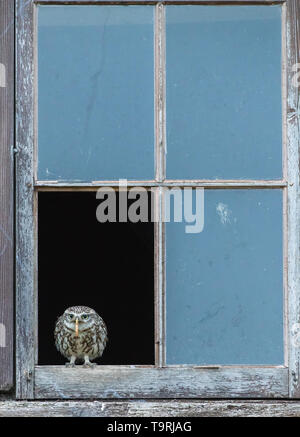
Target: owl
(80, 334)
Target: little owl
(80, 334)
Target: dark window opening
(106, 266)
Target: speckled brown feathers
(80, 334)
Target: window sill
(125, 382)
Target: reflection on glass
(95, 92)
(224, 285)
(223, 92)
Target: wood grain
(93, 186)
(208, 2)
(115, 382)
(151, 409)
(6, 192)
(25, 246)
(293, 47)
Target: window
(173, 98)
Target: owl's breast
(84, 344)
(90, 342)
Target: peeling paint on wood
(205, 2)
(151, 409)
(6, 192)
(124, 382)
(2, 76)
(25, 297)
(293, 47)
(221, 184)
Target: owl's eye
(84, 317)
(70, 316)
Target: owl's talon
(89, 365)
(70, 365)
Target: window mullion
(159, 250)
(160, 142)
(160, 101)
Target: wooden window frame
(159, 381)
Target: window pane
(224, 92)
(105, 266)
(95, 92)
(225, 284)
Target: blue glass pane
(224, 118)
(95, 92)
(225, 284)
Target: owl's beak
(76, 327)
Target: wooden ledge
(183, 408)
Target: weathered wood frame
(159, 381)
(151, 408)
(7, 127)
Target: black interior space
(106, 266)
